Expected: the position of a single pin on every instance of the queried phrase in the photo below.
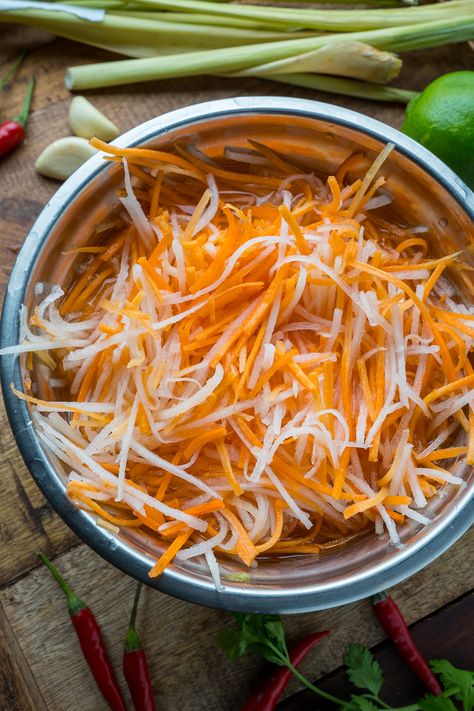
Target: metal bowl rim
(402, 563)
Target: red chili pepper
(13, 132)
(394, 625)
(91, 641)
(267, 697)
(135, 667)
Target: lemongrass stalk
(346, 87)
(366, 3)
(231, 60)
(134, 9)
(198, 19)
(135, 37)
(104, 4)
(347, 59)
(324, 19)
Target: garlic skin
(88, 122)
(61, 158)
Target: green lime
(441, 118)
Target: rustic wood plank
(27, 521)
(447, 634)
(181, 640)
(18, 690)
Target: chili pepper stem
(132, 641)
(10, 73)
(23, 116)
(73, 601)
(135, 666)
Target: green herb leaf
(360, 703)
(362, 669)
(239, 618)
(436, 703)
(233, 644)
(263, 634)
(459, 678)
(275, 632)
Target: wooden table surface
(41, 667)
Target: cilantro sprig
(265, 636)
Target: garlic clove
(61, 158)
(87, 121)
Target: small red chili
(392, 622)
(13, 132)
(135, 666)
(91, 641)
(267, 697)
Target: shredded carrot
(397, 501)
(209, 507)
(368, 503)
(202, 439)
(163, 562)
(470, 450)
(276, 535)
(246, 366)
(227, 467)
(446, 453)
(301, 242)
(396, 516)
(246, 550)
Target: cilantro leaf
(275, 631)
(263, 634)
(458, 678)
(233, 644)
(436, 703)
(363, 669)
(239, 618)
(360, 703)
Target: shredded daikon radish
(257, 362)
(135, 210)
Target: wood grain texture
(189, 671)
(40, 663)
(18, 689)
(27, 521)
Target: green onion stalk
(232, 59)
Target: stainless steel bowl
(321, 135)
